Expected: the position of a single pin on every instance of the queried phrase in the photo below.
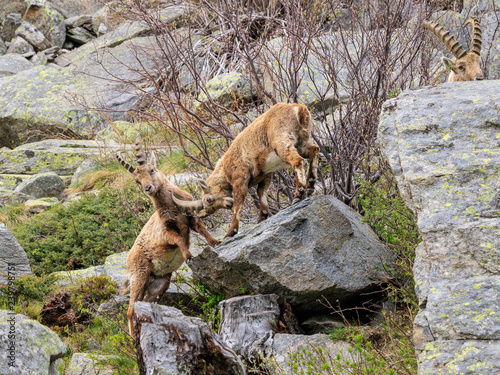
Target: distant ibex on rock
(467, 65)
(279, 138)
(163, 243)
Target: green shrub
(85, 232)
(35, 287)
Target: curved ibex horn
(475, 44)
(188, 205)
(126, 164)
(139, 150)
(455, 48)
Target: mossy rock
(44, 16)
(36, 206)
(36, 347)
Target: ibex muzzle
(467, 65)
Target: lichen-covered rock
(315, 249)
(229, 89)
(20, 46)
(10, 25)
(9, 197)
(44, 17)
(61, 157)
(33, 36)
(13, 63)
(42, 185)
(443, 145)
(89, 364)
(115, 267)
(36, 347)
(35, 206)
(65, 278)
(170, 343)
(248, 323)
(12, 255)
(291, 353)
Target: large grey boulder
(42, 185)
(442, 143)
(36, 348)
(11, 255)
(248, 323)
(12, 63)
(315, 249)
(9, 197)
(170, 343)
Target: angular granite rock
(315, 249)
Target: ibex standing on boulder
(467, 65)
(163, 243)
(279, 138)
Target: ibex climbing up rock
(279, 138)
(163, 243)
(467, 65)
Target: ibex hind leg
(157, 288)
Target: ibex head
(145, 173)
(467, 65)
(209, 203)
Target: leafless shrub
(341, 59)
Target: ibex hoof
(310, 192)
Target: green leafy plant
(85, 232)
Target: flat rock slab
(315, 249)
(443, 144)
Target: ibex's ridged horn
(475, 44)
(455, 48)
(188, 205)
(139, 150)
(127, 165)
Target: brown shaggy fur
(279, 138)
(163, 243)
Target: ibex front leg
(289, 154)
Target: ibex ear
(152, 159)
(204, 186)
(449, 63)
